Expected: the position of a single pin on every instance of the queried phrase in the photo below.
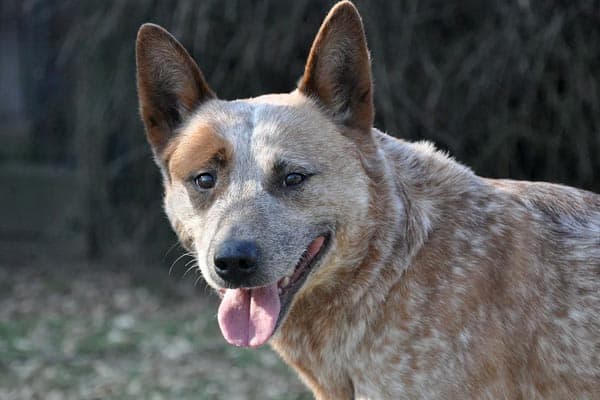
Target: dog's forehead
(263, 129)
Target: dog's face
(263, 190)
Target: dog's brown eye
(293, 179)
(205, 181)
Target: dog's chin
(250, 316)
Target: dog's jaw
(248, 317)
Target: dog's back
(505, 291)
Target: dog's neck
(398, 227)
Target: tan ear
(170, 84)
(338, 70)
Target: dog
(375, 267)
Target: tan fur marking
(196, 150)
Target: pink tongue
(247, 317)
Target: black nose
(235, 260)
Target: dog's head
(267, 192)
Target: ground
(73, 329)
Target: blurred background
(96, 299)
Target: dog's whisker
(171, 248)
(189, 262)
(197, 280)
(186, 254)
(195, 266)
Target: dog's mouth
(250, 316)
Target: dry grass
(77, 330)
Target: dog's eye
(293, 179)
(205, 181)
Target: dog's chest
(391, 368)
(383, 358)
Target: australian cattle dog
(376, 268)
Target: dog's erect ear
(170, 84)
(338, 70)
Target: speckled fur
(500, 299)
(438, 284)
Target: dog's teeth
(285, 281)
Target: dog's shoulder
(432, 170)
(562, 220)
